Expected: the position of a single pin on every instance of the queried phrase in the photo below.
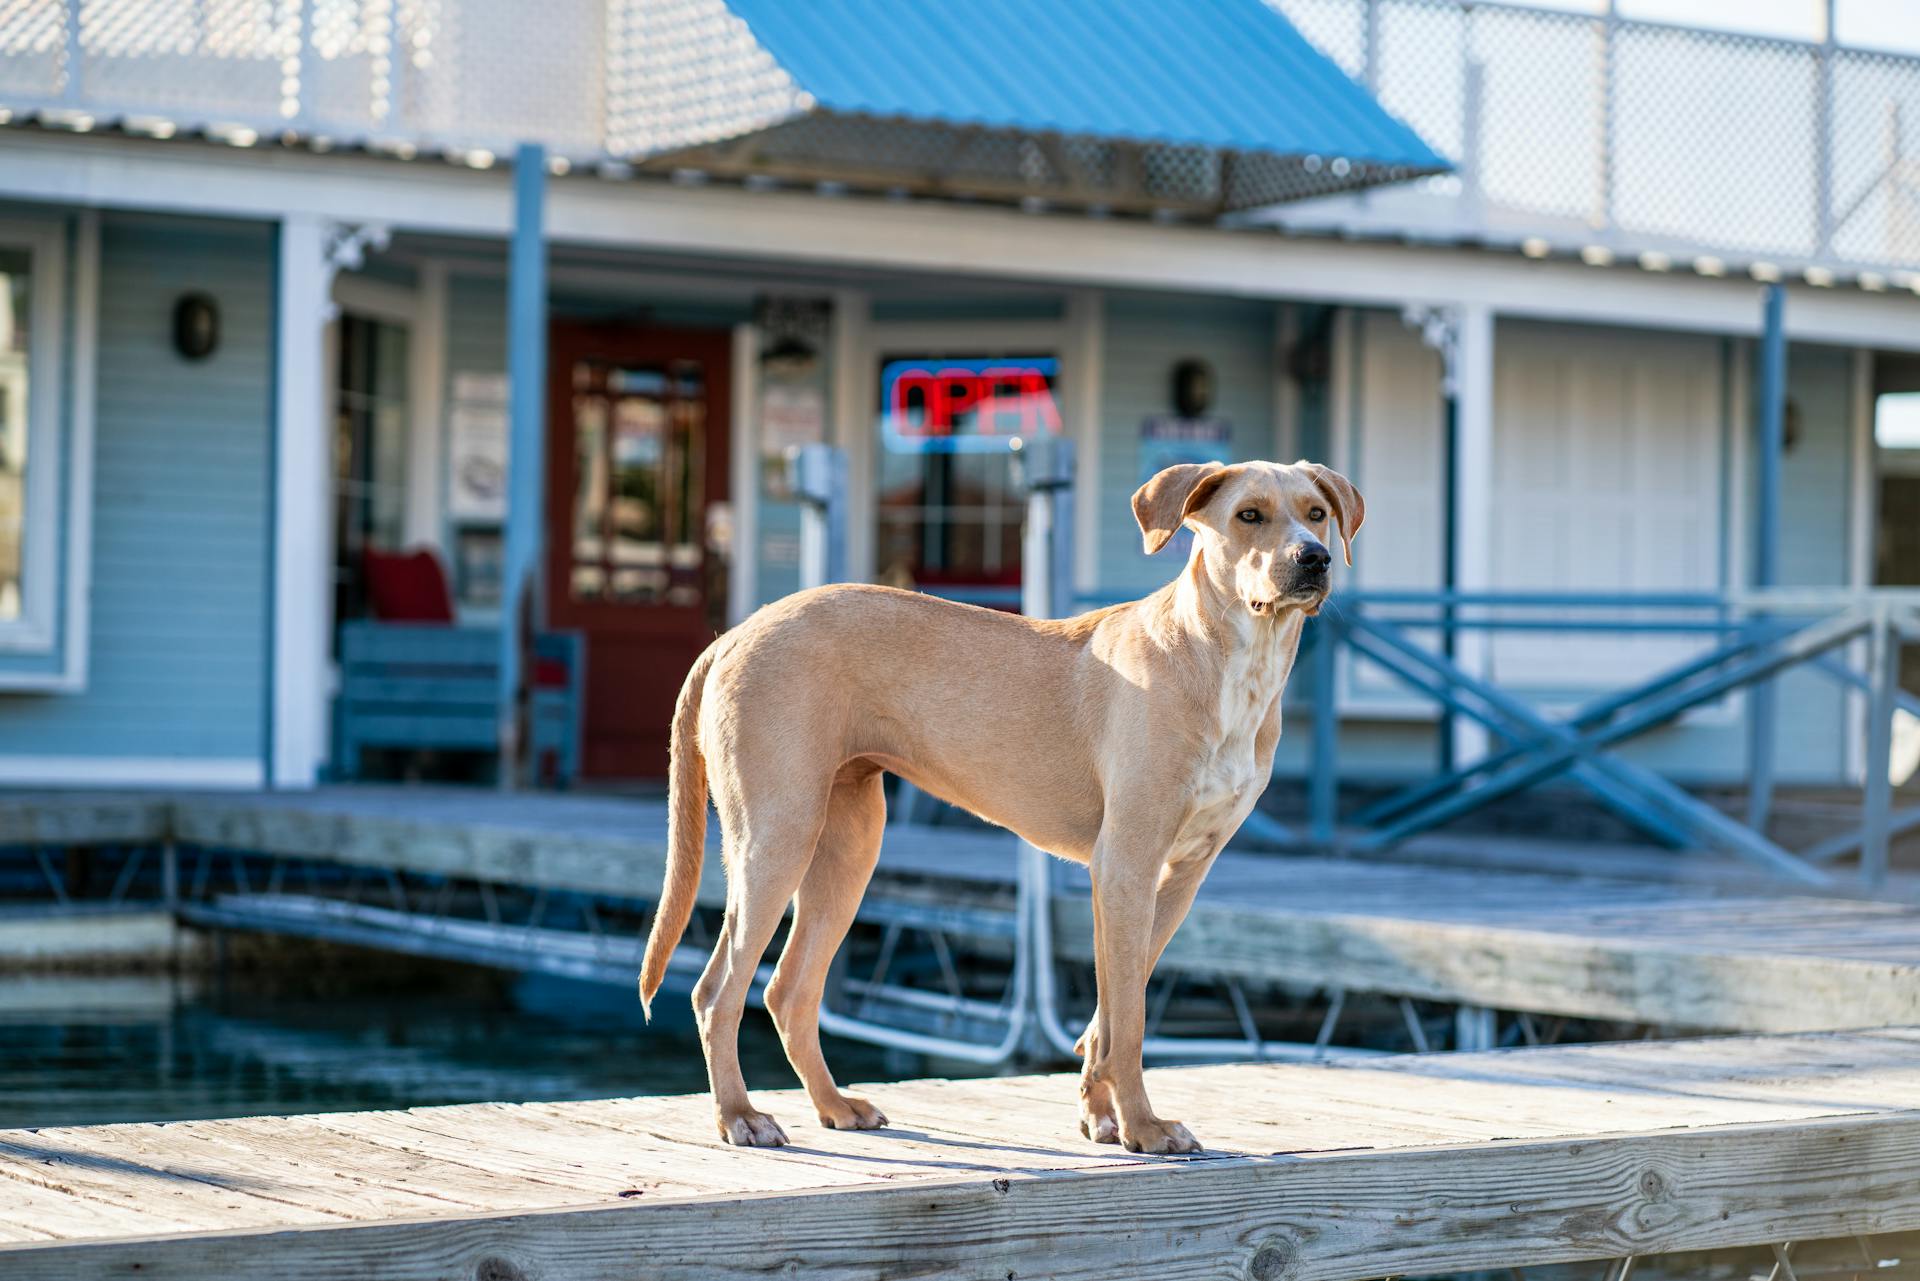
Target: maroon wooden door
(637, 453)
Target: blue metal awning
(1184, 105)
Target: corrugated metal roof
(1223, 74)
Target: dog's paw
(1101, 1127)
(1163, 1138)
(1098, 1121)
(850, 1113)
(752, 1130)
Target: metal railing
(1584, 131)
(1619, 137)
(1851, 638)
(1747, 641)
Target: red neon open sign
(966, 406)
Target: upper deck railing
(1684, 147)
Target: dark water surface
(80, 1051)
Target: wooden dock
(1681, 951)
(1416, 1164)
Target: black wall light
(1192, 388)
(196, 326)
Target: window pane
(949, 512)
(14, 298)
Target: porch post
(1472, 499)
(1762, 698)
(302, 503)
(520, 597)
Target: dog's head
(1261, 527)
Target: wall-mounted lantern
(196, 326)
(1192, 388)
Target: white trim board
(81, 396)
(131, 771)
(925, 236)
(425, 523)
(1083, 380)
(853, 407)
(303, 525)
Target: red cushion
(409, 587)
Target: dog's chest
(1227, 776)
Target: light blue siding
(181, 518)
(1146, 336)
(1815, 482)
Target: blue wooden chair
(432, 686)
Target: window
(31, 277)
(950, 511)
(369, 452)
(16, 385)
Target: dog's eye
(1317, 515)
(1251, 515)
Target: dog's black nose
(1312, 557)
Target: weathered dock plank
(1313, 1173)
(1674, 954)
(82, 818)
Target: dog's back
(947, 695)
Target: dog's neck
(1206, 607)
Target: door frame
(566, 339)
(569, 340)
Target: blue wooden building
(1490, 261)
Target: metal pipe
(819, 475)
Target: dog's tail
(686, 832)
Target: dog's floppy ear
(1348, 507)
(1170, 496)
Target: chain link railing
(1588, 130)
(1574, 130)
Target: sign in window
(949, 511)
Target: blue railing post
(1323, 798)
(526, 447)
(1761, 702)
(1883, 673)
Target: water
(81, 1051)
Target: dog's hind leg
(823, 910)
(761, 877)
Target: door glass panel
(370, 452)
(640, 436)
(589, 577)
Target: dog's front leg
(1179, 882)
(1126, 875)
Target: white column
(743, 575)
(302, 488)
(426, 392)
(1473, 500)
(1081, 376)
(854, 395)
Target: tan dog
(1134, 739)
